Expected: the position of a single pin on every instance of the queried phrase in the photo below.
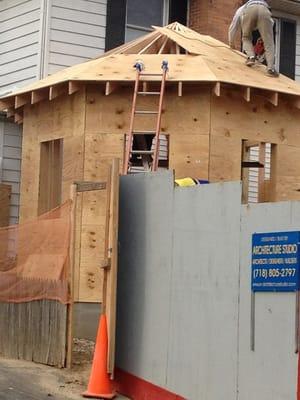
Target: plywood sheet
(90, 284)
(258, 120)
(287, 176)
(99, 151)
(187, 114)
(188, 155)
(62, 118)
(225, 158)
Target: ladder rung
(143, 74)
(143, 132)
(149, 93)
(142, 152)
(145, 112)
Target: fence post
(73, 197)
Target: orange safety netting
(34, 258)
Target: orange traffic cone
(100, 385)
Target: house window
(285, 44)
(129, 19)
(140, 16)
(50, 183)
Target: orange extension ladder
(148, 154)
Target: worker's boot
(272, 72)
(250, 61)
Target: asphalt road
(22, 385)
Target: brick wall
(212, 17)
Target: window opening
(140, 163)
(50, 181)
(257, 168)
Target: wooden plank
(74, 87)
(18, 117)
(110, 87)
(111, 292)
(73, 197)
(217, 89)
(88, 186)
(5, 195)
(39, 95)
(22, 99)
(148, 47)
(271, 97)
(261, 173)
(245, 172)
(6, 104)
(246, 93)
(34, 331)
(180, 89)
(57, 90)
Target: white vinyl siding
(19, 43)
(253, 172)
(11, 164)
(76, 32)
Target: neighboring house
(40, 37)
(37, 38)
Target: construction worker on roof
(255, 14)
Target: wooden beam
(110, 87)
(6, 104)
(247, 94)
(39, 95)
(18, 118)
(22, 99)
(74, 86)
(145, 86)
(10, 112)
(163, 45)
(217, 89)
(73, 198)
(57, 90)
(145, 49)
(180, 89)
(261, 173)
(271, 97)
(294, 101)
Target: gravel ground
(24, 380)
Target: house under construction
(215, 110)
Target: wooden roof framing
(192, 58)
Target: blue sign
(275, 262)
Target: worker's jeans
(258, 17)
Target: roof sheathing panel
(206, 60)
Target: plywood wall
(205, 139)
(233, 119)
(62, 118)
